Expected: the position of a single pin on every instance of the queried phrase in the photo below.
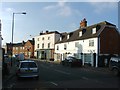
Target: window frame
(91, 43)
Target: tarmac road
(58, 76)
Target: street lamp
(13, 31)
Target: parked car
(27, 68)
(71, 61)
(114, 65)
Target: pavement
(85, 68)
(11, 74)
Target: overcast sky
(52, 16)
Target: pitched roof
(87, 32)
(32, 42)
(16, 44)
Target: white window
(91, 43)
(21, 48)
(16, 48)
(37, 45)
(68, 36)
(48, 38)
(76, 44)
(13, 48)
(60, 38)
(43, 45)
(57, 47)
(38, 39)
(48, 45)
(65, 46)
(93, 30)
(80, 33)
(43, 38)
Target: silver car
(27, 68)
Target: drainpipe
(83, 59)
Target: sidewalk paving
(11, 74)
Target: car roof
(27, 61)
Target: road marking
(85, 78)
(54, 83)
(62, 72)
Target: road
(58, 76)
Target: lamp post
(13, 31)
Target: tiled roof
(32, 42)
(87, 32)
(16, 44)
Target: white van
(20, 56)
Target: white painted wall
(79, 46)
(89, 49)
(52, 40)
(71, 48)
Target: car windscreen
(28, 65)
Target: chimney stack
(47, 31)
(83, 23)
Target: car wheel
(115, 72)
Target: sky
(61, 16)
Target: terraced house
(29, 49)
(26, 48)
(16, 48)
(45, 45)
(93, 44)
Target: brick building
(29, 49)
(26, 48)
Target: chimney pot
(83, 23)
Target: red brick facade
(29, 49)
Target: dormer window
(83, 31)
(80, 33)
(93, 30)
(68, 36)
(61, 38)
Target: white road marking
(54, 83)
(62, 72)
